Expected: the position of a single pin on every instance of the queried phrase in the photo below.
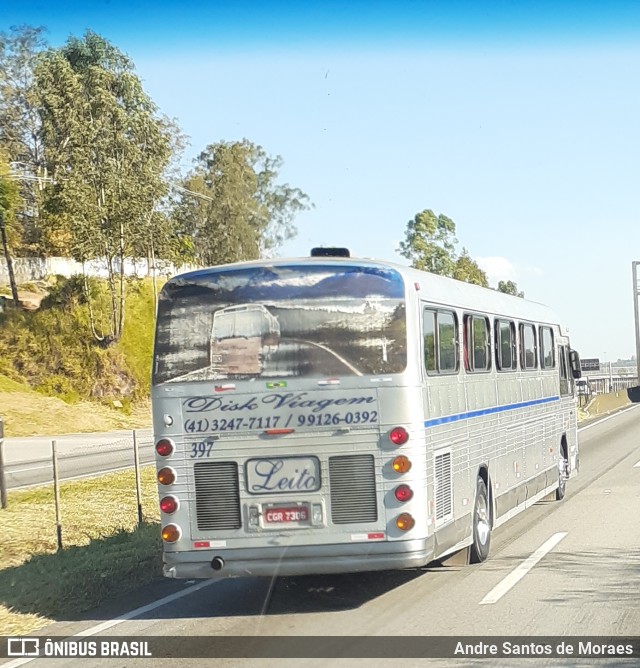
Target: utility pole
(636, 292)
(7, 257)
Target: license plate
(285, 514)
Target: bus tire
(481, 524)
(563, 466)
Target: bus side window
(547, 350)
(505, 342)
(429, 333)
(564, 372)
(528, 349)
(478, 343)
(447, 341)
(440, 331)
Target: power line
(47, 179)
(191, 192)
(25, 177)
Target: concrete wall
(33, 268)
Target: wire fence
(80, 487)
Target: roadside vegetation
(604, 404)
(89, 170)
(28, 413)
(54, 379)
(106, 554)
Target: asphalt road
(28, 460)
(561, 568)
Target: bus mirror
(634, 394)
(574, 360)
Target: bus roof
(432, 288)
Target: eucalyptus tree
(510, 288)
(107, 149)
(21, 128)
(233, 207)
(467, 269)
(430, 243)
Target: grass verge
(603, 404)
(29, 413)
(105, 554)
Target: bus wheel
(563, 468)
(481, 524)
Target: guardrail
(603, 382)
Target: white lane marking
(609, 417)
(33, 468)
(99, 628)
(636, 465)
(520, 571)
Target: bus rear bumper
(299, 560)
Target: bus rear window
(281, 321)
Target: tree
(509, 288)
(430, 243)
(467, 269)
(107, 150)
(9, 204)
(233, 208)
(21, 128)
(156, 237)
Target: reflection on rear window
(282, 321)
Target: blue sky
(521, 121)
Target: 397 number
(201, 449)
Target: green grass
(136, 345)
(105, 552)
(8, 385)
(29, 413)
(52, 349)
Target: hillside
(54, 378)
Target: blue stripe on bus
(488, 411)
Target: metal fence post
(56, 492)
(136, 460)
(3, 482)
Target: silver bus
(397, 419)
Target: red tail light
(169, 504)
(398, 435)
(164, 447)
(403, 493)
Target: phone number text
(205, 425)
